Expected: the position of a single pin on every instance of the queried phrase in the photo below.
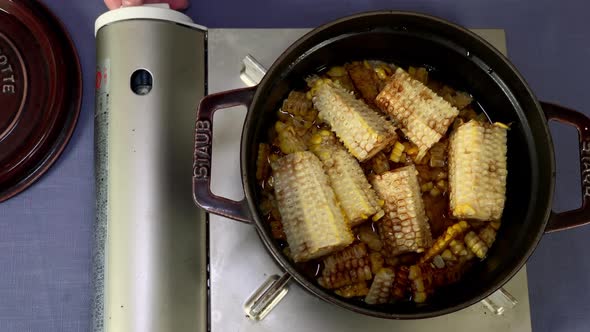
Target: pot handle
(202, 194)
(580, 216)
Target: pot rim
(288, 266)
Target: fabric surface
(45, 232)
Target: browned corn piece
(312, 220)
(376, 261)
(379, 163)
(289, 141)
(346, 267)
(363, 131)
(355, 290)
(276, 229)
(448, 275)
(438, 154)
(380, 291)
(401, 284)
(476, 245)
(477, 171)
(448, 256)
(421, 277)
(404, 228)
(365, 80)
(422, 115)
(443, 241)
(262, 164)
(339, 75)
(488, 235)
(367, 235)
(298, 105)
(358, 200)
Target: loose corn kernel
(396, 153)
(435, 192)
(381, 73)
(336, 71)
(427, 187)
(501, 125)
(442, 184)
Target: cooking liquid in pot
(432, 176)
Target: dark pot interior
(463, 60)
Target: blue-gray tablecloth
(45, 232)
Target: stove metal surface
(239, 261)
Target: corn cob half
(380, 291)
(363, 131)
(346, 267)
(358, 200)
(477, 171)
(312, 220)
(404, 228)
(421, 114)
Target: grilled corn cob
(363, 131)
(380, 291)
(404, 228)
(422, 115)
(311, 217)
(358, 200)
(354, 290)
(476, 245)
(477, 171)
(443, 241)
(401, 283)
(346, 267)
(365, 80)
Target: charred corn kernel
(401, 283)
(379, 163)
(377, 261)
(443, 241)
(427, 187)
(262, 165)
(477, 171)
(289, 141)
(355, 290)
(312, 220)
(346, 267)
(396, 152)
(363, 131)
(356, 197)
(434, 192)
(441, 184)
(488, 235)
(476, 245)
(437, 155)
(380, 291)
(422, 115)
(337, 71)
(412, 150)
(404, 228)
(367, 235)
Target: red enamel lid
(40, 92)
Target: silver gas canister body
(150, 258)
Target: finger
(174, 4)
(112, 4)
(128, 3)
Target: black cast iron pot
(458, 57)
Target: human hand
(174, 4)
